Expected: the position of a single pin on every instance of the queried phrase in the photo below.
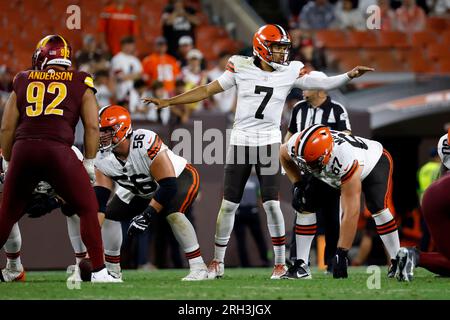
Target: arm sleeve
(343, 123)
(308, 82)
(293, 122)
(88, 81)
(227, 80)
(347, 174)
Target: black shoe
(392, 268)
(407, 259)
(299, 270)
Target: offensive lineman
(152, 181)
(263, 83)
(39, 123)
(353, 165)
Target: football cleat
(299, 270)
(12, 275)
(103, 276)
(392, 268)
(197, 274)
(278, 271)
(216, 269)
(407, 260)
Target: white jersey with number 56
(349, 152)
(133, 175)
(260, 101)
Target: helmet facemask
(109, 137)
(283, 49)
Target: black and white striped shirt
(329, 113)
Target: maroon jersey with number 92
(49, 103)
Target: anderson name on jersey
(133, 176)
(349, 152)
(260, 101)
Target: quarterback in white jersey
(153, 181)
(263, 82)
(353, 165)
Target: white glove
(90, 169)
(5, 165)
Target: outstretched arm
(190, 96)
(309, 82)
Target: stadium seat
(394, 39)
(420, 66)
(333, 39)
(444, 67)
(445, 38)
(437, 24)
(363, 39)
(225, 44)
(422, 39)
(349, 62)
(438, 51)
(386, 63)
(204, 34)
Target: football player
(152, 181)
(39, 123)
(436, 211)
(44, 200)
(353, 165)
(263, 82)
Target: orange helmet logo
(265, 38)
(115, 126)
(314, 146)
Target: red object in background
(116, 24)
(412, 232)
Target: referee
(320, 198)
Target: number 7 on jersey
(269, 92)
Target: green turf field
(237, 284)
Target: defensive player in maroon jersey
(436, 211)
(37, 133)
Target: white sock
(224, 226)
(275, 223)
(305, 230)
(12, 248)
(112, 242)
(387, 229)
(184, 232)
(73, 229)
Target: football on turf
(85, 266)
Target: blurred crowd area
(390, 35)
(161, 48)
(132, 48)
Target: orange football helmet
(115, 126)
(265, 38)
(52, 50)
(313, 148)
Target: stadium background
(405, 104)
